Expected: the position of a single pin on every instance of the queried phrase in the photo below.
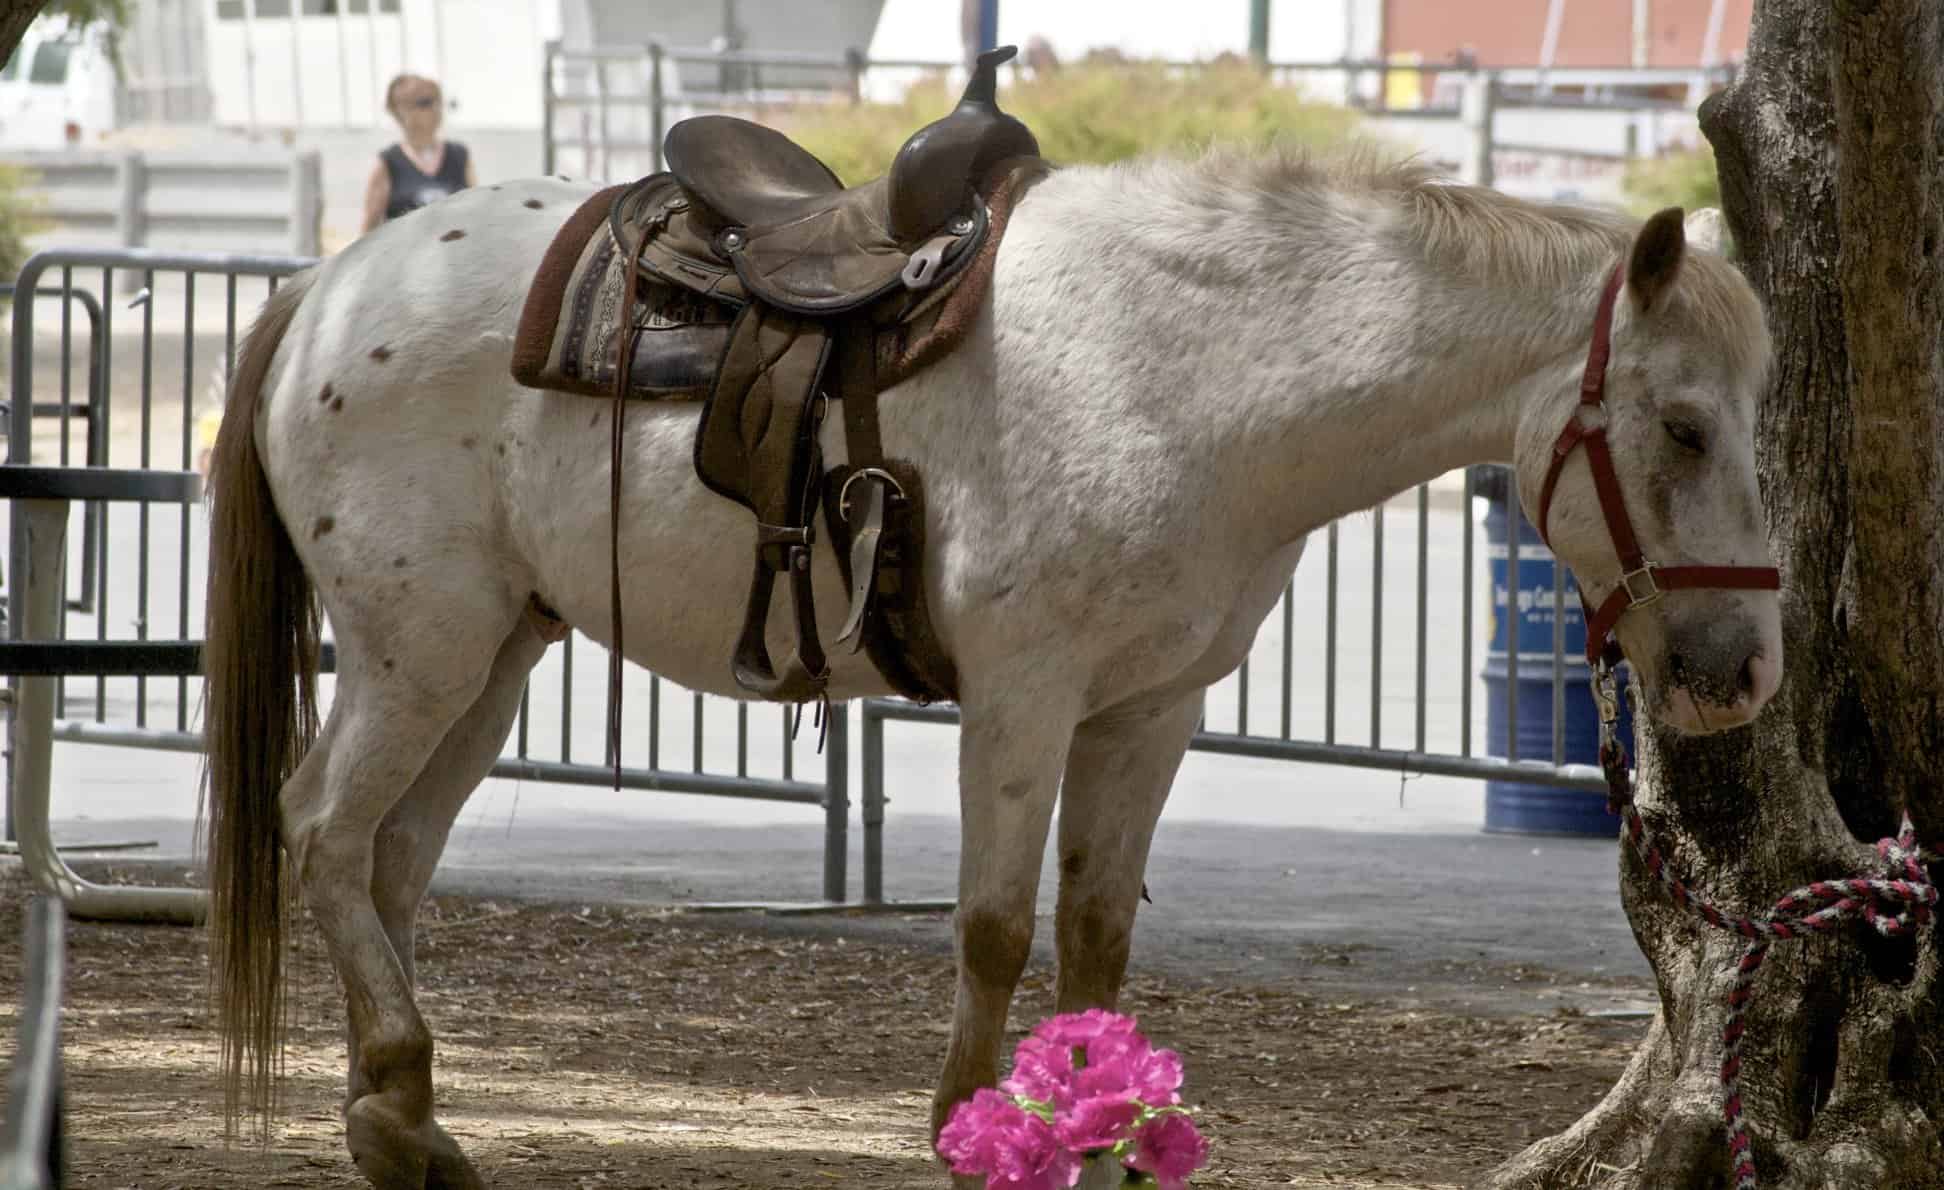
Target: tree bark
(15, 16)
(1828, 151)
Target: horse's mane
(1469, 229)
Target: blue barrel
(1524, 611)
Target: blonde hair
(405, 80)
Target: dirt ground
(592, 1046)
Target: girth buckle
(874, 473)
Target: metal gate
(1321, 688)
(142, 571)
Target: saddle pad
(568, 327)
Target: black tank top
(412, 188)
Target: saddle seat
(803, 242)
(749, 175)
(746, 173)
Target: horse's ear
(1705, 229)
(1656, 258)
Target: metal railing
(1430, 730)
(605, 109)
(33, 1144)
(694, 743)
(93, 411)
(268, 200)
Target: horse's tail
(259, 717)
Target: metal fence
(157, 382)
(1351, 670)
(33, 1144)
(605, 108)
(257, 201)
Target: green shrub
(1685, 178)
(18, 219)
(1090, 114)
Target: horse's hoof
(393, 1154)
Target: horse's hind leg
(1117, 778)
(413, 834)
(401, 689)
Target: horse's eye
(1687, 436)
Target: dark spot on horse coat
(324, 397)
(454, 234)
(499, 448)
(595, 420)
(399, 562)
(1071, 864)
(337, 404)
(389, 663)
(381, 353)
(322, 526)
(469, 441)
(532, 204)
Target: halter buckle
(1645, 576)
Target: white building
(312, 65)
(303, 64)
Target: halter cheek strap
(1641, 581)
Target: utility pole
(978, 27)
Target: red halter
(1641, 581)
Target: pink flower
(1129, 1067)
(1082, 1028)
(1098, 1123)
(1016, 1150)
(1032, 1158)
(1170, 1148)
(1042, 1070)
(977, 1129)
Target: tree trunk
(15, 16)
(1828, 148)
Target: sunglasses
(423, 103)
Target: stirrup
(805, 673)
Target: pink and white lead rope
(1895, 905)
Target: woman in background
(420, 168)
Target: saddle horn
(929, 176)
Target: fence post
(306, 203)
(547, 107)
(873, 807)
(836, 802)
(1480, 97)
(131, 210)
(657, 105)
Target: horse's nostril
(1745, 679)
(1677, 668)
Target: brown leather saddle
(747, 274)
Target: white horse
(1186, 368)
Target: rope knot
(1895, 904)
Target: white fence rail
(265, 202)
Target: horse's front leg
(1012, 746)
(1118, 775)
